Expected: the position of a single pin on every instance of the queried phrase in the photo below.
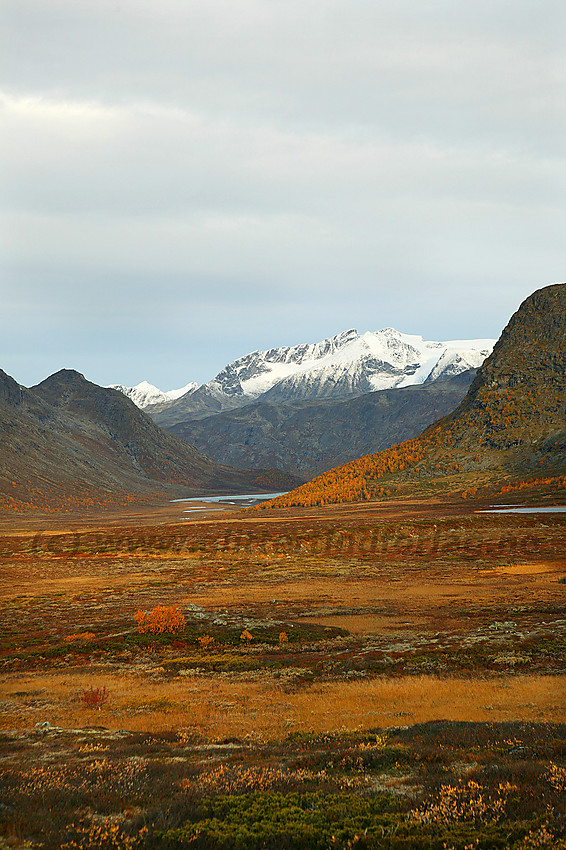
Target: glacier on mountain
(347, 364)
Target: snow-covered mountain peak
(144, 393)
(346, 364)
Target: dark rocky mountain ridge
(68, 439)
(518, 397)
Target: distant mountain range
(509, 431)
(307, 437)
(67, 442)
(306, 408)
(349, 364)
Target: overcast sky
(185, 181)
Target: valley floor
(388, 675)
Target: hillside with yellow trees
(507, 435)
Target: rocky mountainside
(308, 437)
(509, 432)
(346, 365)
(70, 441)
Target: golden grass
(529, 569)
(218, 706)
(369, 624)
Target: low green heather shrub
(274, 820)
(269, 820)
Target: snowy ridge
(144, 393)
(347, 364)
(453, 361)
(344, 365)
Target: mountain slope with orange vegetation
(508, 433)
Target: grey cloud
(272, 171)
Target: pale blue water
(245, 498)
(554, 509)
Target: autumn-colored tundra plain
(370, 628)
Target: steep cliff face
(11, 394)
(69, 440)
(511, 425)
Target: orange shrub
(162, 618)
(80, 636)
